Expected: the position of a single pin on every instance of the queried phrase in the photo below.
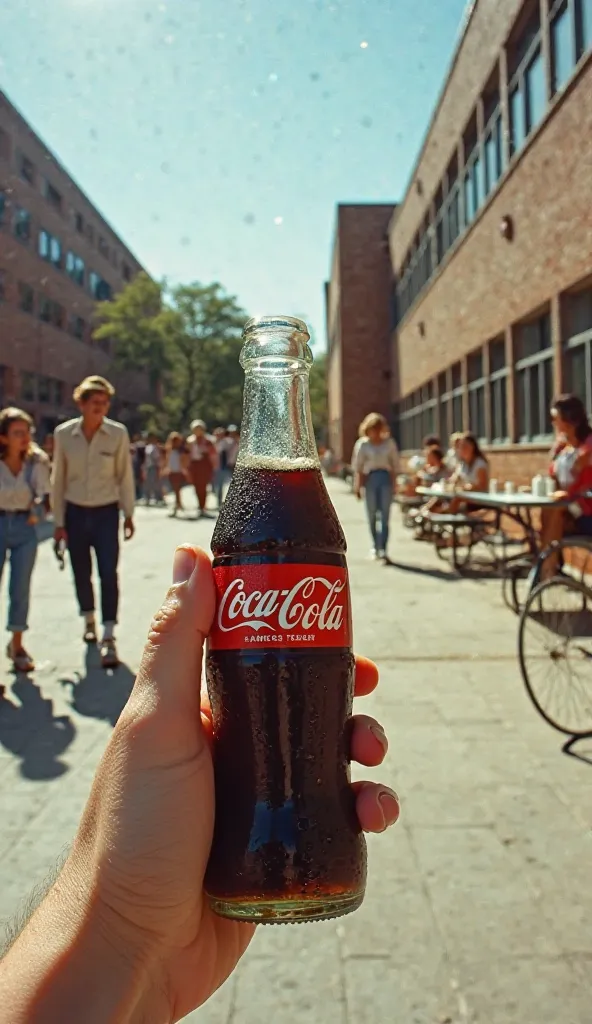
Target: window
(416, 417)
(2, 284)
(125, 270)
(89, 232)
(45, 309)
(28, 387)
(75, 268)
(583, 26)
(474, 175)
(563, 49)
(528, 84)
(77, 327)
(3, 206)
(98, 288)
(26, 169)
(52, 195)
(79, 221)
(26, 297)
(443, 407)
(477, 395)
(493, 148)
(43, 389)
(498, 399)
(50, 248)
(103, 247)
(457, 398)
(51, 312)
(22, 224)
(578, 347)
(534, 378)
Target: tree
(319, 396)
(188, 338)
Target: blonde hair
(174, 436)
(455, 438)
(91, 386)
(372, 420)
(11, 415)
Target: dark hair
(436, 450)
(472, 440)
(431, 441)
(9, 416)
(572, 410)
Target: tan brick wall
(489, 282)
(360, 369)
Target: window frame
(529, 369)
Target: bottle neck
(277, 431)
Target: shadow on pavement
(583, 753)
(424, 570)
(31, 732)
(99, 693)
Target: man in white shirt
(92, 479)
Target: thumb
(172, 661)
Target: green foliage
(188, 339)
(318, 396)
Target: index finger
(366, 678)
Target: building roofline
(462, 31)
(21, 117)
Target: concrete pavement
(479, 906)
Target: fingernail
(379, 734)
(389, 805)
(183, 565)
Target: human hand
(128, 528)
(145, 835)
(358, 493)
(559, 495)
(59, 534)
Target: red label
(260, 606)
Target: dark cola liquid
(287, 844)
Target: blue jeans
(20, 538)
(221, 478)
(379, 496)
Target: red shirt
(582, 477)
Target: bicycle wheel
(555, 653)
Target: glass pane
(457, 413)
(517, 120)
(576, 371)
(586, 16)
(521, 385)
(562, 47)
(469, 199)
(443, 422)
(456, 376)
(499, 413)
(536, 91)
(547, 397)
(579, 312)
(497, 355)
(475, 367)
(479, 190)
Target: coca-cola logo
(280, 605)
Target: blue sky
(217, 135)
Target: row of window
(478, 401)
(51, 312)
(467, 184)
(28, 172)
(49, 248)
(37, 388)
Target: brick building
(359, 321)
(492, 244)
(58, 256)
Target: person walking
(24, 482)
(176, 460)
(202, 462)
(92, 479)
(375, 471)
(224, 445)
(152, 470)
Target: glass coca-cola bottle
(287, 844)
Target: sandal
(90, 635)
(21, 660)
(109, 657)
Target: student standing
(24, 482)
(202, 462)
(375, 468)
(92, 480)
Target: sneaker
(109, 658)
(373, 554)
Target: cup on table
(509, 487)
(493, 486)
(550, 486)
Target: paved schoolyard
(479, 905)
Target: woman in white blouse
(375, 467)
(24, 482)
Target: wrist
(51, 972)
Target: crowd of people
(89, 476)
(205, 461)
(464, 467)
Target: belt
(15, 512)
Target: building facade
(491, 247)
(58, 257)
(359, 321)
